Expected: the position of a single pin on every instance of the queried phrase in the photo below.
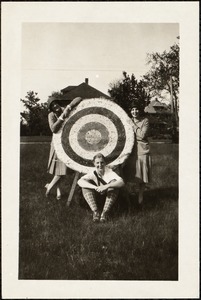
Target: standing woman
(56, 118)
(141, 152)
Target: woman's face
(135, 112)
(99, 164)
(56, 108)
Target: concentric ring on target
(91, 134)
(95, 125)
(105, 130)
(117, 144)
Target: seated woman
(101, 183)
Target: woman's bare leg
(58, 192)
(50, 185)
(141, 192)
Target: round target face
(95, 126)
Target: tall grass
(57, 242)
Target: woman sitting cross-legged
(102, 183)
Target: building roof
(83, 90)
(68, 89)
(157, 107)
(150, 109)
(156, 103)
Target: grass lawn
(56, 242)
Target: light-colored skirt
(55, 166)
(138, 168)
(143, 168)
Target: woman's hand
(102, 188)
(66, 112)
(69, 107)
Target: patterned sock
(90, 198)
(110, 200)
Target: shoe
(104, 217)
(96, 216)
(47, 191)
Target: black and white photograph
(100, 150)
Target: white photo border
(186, 14)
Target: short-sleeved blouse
(108, 176)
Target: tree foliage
(129, 91)
(163, 75)
(35, 116)
(56, 94)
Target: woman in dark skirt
(56, 118)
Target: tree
(56, 94)
(163, 76)
(35, 115)
(129, 91)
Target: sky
(55, 55)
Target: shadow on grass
(154, 197)
(128, 203)
(153, 200)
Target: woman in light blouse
(103, 184)
(56, 118)
(141, 152)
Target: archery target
(95, 125)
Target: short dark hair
(140, 108)
(99, 155)
(53, 102)
(50, 101)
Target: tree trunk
(171, 96)
(176, 108)
(175, 136)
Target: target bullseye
(93, 136)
